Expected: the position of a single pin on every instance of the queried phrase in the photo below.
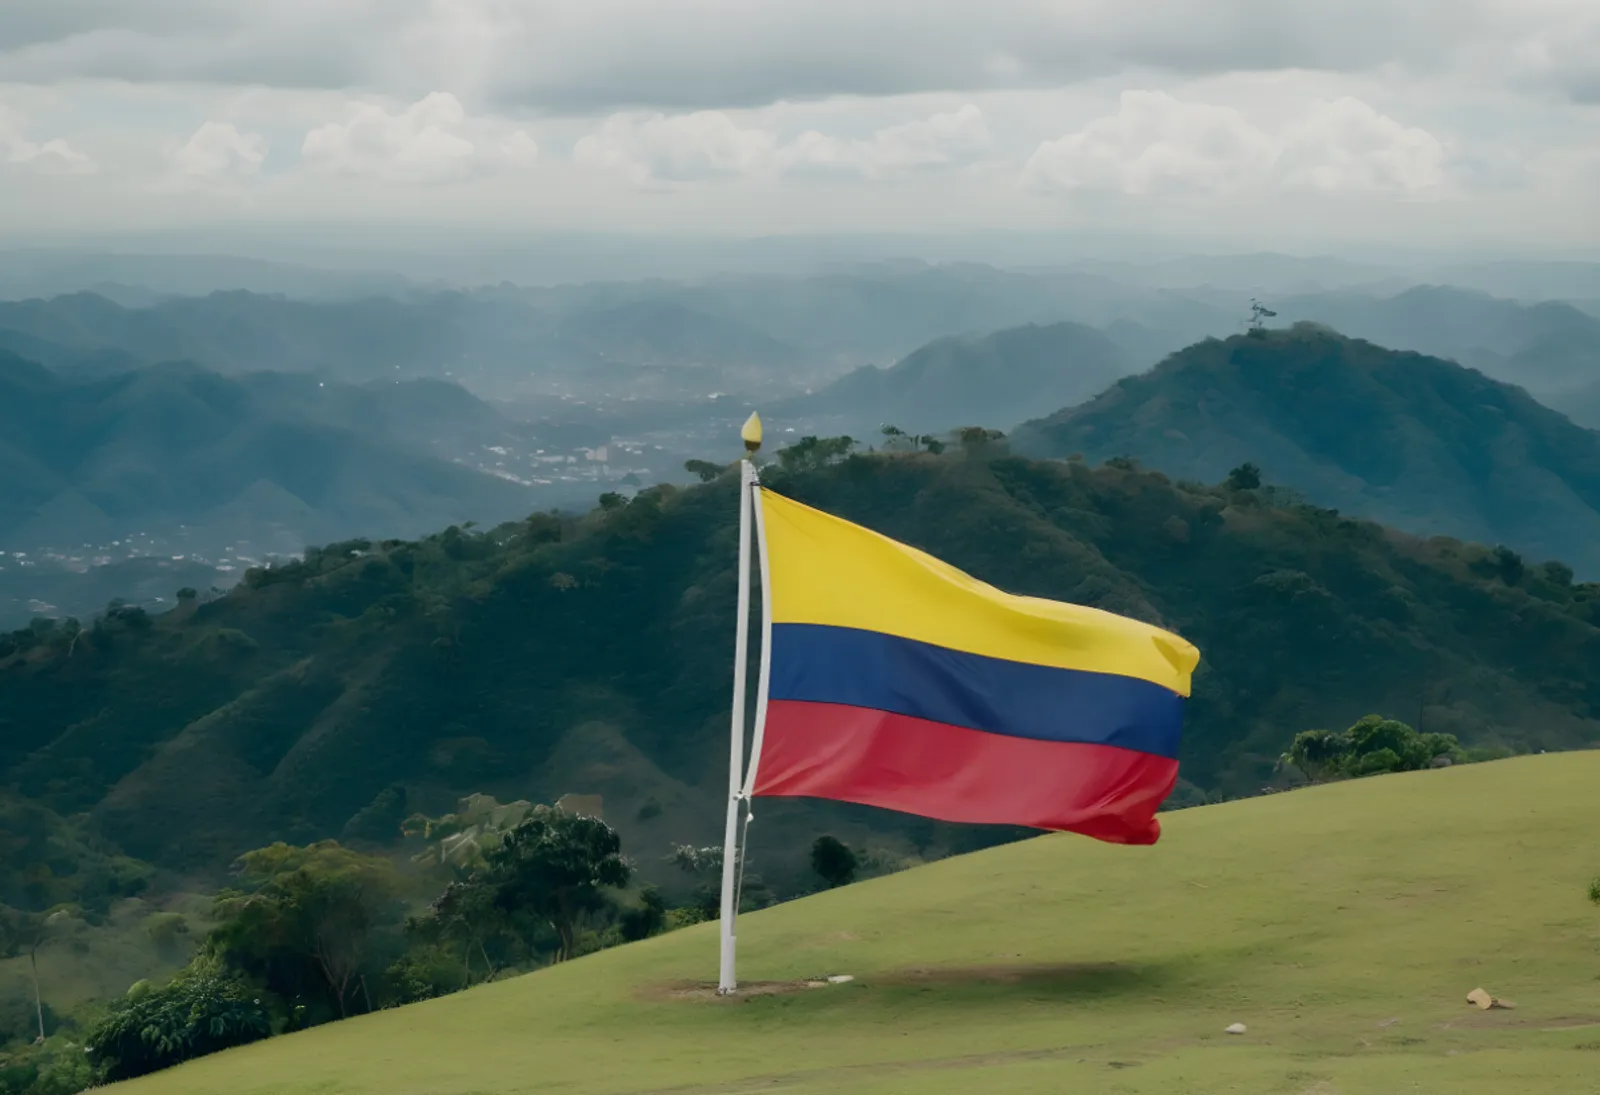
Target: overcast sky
(1275, 121)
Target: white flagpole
(764, 680)
(726, 981)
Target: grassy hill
(1344, 925)
(1423, 444)
(552, 656)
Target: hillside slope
(1412, 441)
(593, 656)
(1343, 925)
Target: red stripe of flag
(933, 769)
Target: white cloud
(1156, 142)
(1559, 51)
(433, 138)
(605, 55)
(1344, 145)
(422, 140)
(519, 148)
(651, 145)
(54, 156)
(646, 147)
(942, 139)
(217, 150)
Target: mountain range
(592, 655)
(1414, 441)
(768, 336)
(271, 459)
(504, 340)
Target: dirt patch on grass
(1506, 1020)
(707, 990)
(1055, 978)
(1001, 973)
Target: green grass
(1344, 925)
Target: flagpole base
(727, 985)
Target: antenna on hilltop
(1258, 312)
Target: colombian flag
(898, 681)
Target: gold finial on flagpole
(751, 432)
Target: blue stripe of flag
(820, 664)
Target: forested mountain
(995, 380)
(1548, 348)
(1413, 441)
(271, 459)
(592, 656)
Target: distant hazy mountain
(881, 312)
(997, 380)
(582, 343)
(1256, 273)
(1410, 440)
(133, 278)
(1549, 348)
(662, 332)
(99, 460)
(765, 337)
(1525, 280)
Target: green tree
(833, 861)
(1318, 753)
(304, 919)
(1371, 746)
(814, 452)
(553, 868)
(977, 439)
(704, 470)
(646, 920)
(1508, 565)
(206, 1008)
(704, 865)
(1594, 891)
(1244, 477)
(24, 933)
(464, 919)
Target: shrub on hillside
(57, 1066)
(833, 862)
(1372, 746)
(205, 1009)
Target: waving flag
(897, 681)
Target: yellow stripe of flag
(830, 572)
